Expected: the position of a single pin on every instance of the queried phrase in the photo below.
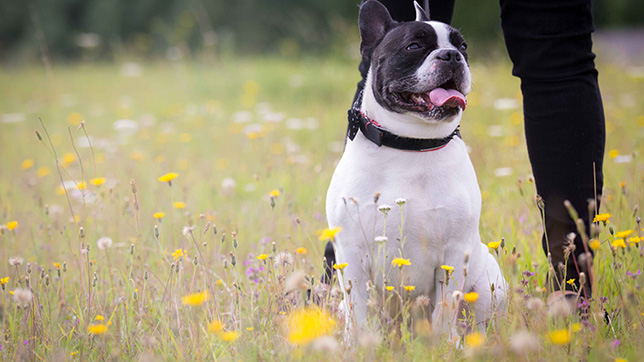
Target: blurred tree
(70, 29)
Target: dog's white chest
(439, 216)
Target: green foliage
(171, 27)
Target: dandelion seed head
(524, 342)
(283, 259)
(187, 231)
(325, 344)
(15, 261)
(104, 242)
(22, 296)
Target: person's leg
(550, 45)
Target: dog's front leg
(448, 305)
(491, 288)
(353, 281)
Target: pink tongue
(447, 97)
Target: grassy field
(214, 263)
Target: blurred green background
(66, 30)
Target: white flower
(400, 201)
(104, 242)
(384, 208)
(381, 239)
(457, 295)
(228, 186)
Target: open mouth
(445, 96)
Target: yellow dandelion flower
(4, 280)
(301, 251)
(618, 359)
(57, 265)
(136, 155)
(274, 193)
(602, 217)
(623, 234)
(185, 137)
(576, 327)
(179, 205)
(340, 266)
(409, 288)
(97, 329)
(81, 185)
(262, 256)
(474, 339)
(73, 353)
(250, 328)
(328, 234)
(560, 336)
(471, 297)
(99, 318)
(494, 244)
(43, 171)
(27, 164)
(195, 298)
(447, 268)
(179, 253)
(613, 153)
(594, 244)
(229, 336)
(215, 326)
(221, 164)
(168, 177)
(68, 159)
(389, 288)
(98, 181)
(571, 281)
(184, 164)
(75, 118)
(12, 225)
(634, 240)
(400, 262)
(158, 215)
(618, 243)
(219, 282)
(305, 325)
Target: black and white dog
(403, 145)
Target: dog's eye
(463, 47)
(413, 46)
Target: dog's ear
(374, 21)
(422, 14)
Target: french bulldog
(405, 186)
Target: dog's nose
(449, 55)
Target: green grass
(185, 113)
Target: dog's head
(419, 71)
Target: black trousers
(549, 43)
